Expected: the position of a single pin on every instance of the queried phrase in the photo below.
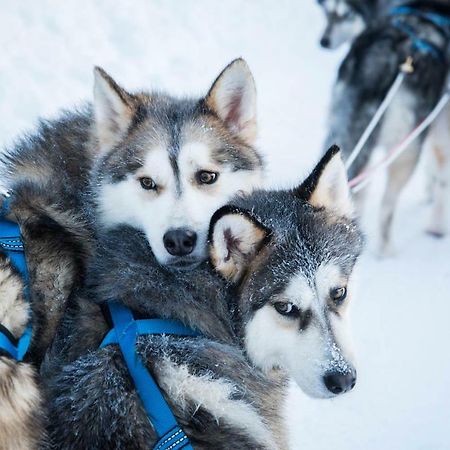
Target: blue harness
(441, 22)
(125, 332)
(11, 245)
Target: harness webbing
(439, 21)
(11, 245)
(125, 333)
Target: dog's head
(291, 257)
(345, 19)
(165, 165)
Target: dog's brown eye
(338, 295)
(205, 177)
(148, 184)
(286, 309)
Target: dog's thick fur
(365, 77)
(49, 174)
(259, 246)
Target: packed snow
(402, 308)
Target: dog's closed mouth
(184, 263)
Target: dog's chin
(183, 263)
(317, 391)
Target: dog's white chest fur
(216, 397)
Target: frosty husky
(165, 166)
(277, 290)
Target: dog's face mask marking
(343, 23)
(292, 258)
(167, 165)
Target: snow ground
(402, 399)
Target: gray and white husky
(161, 163)
(275, 295)
(346, 19)
(364, 78)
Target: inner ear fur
(235, 238)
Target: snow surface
(402, 310)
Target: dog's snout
(338, 383)
(180, 241)
(325, 42)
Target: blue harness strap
(11, 245)
(125, 333)
(441, 22)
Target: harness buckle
(407, 66)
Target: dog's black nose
(338, 383)
(180, 241)
(325, 42)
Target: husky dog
(346, 19)
(165, 164)
(365, 77)
(277, 290)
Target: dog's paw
(436, 232)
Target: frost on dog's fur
(294, 255)
(267, 247)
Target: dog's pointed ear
(113, 109)
(327, 186)
(235, 238)
(233, 98)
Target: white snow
(401, 314)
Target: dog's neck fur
(199, 298)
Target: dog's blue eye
(148, 184)
(287, 309)
(338, 294)
(206, 177)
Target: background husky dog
(363, 80)
(167, 164)
(285, 261)
(344, 19)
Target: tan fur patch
(13, 308)
(20, 427)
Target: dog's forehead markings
(310, 291)
(299, 291)
(157, 165)
(328, 275)
(195, 155)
